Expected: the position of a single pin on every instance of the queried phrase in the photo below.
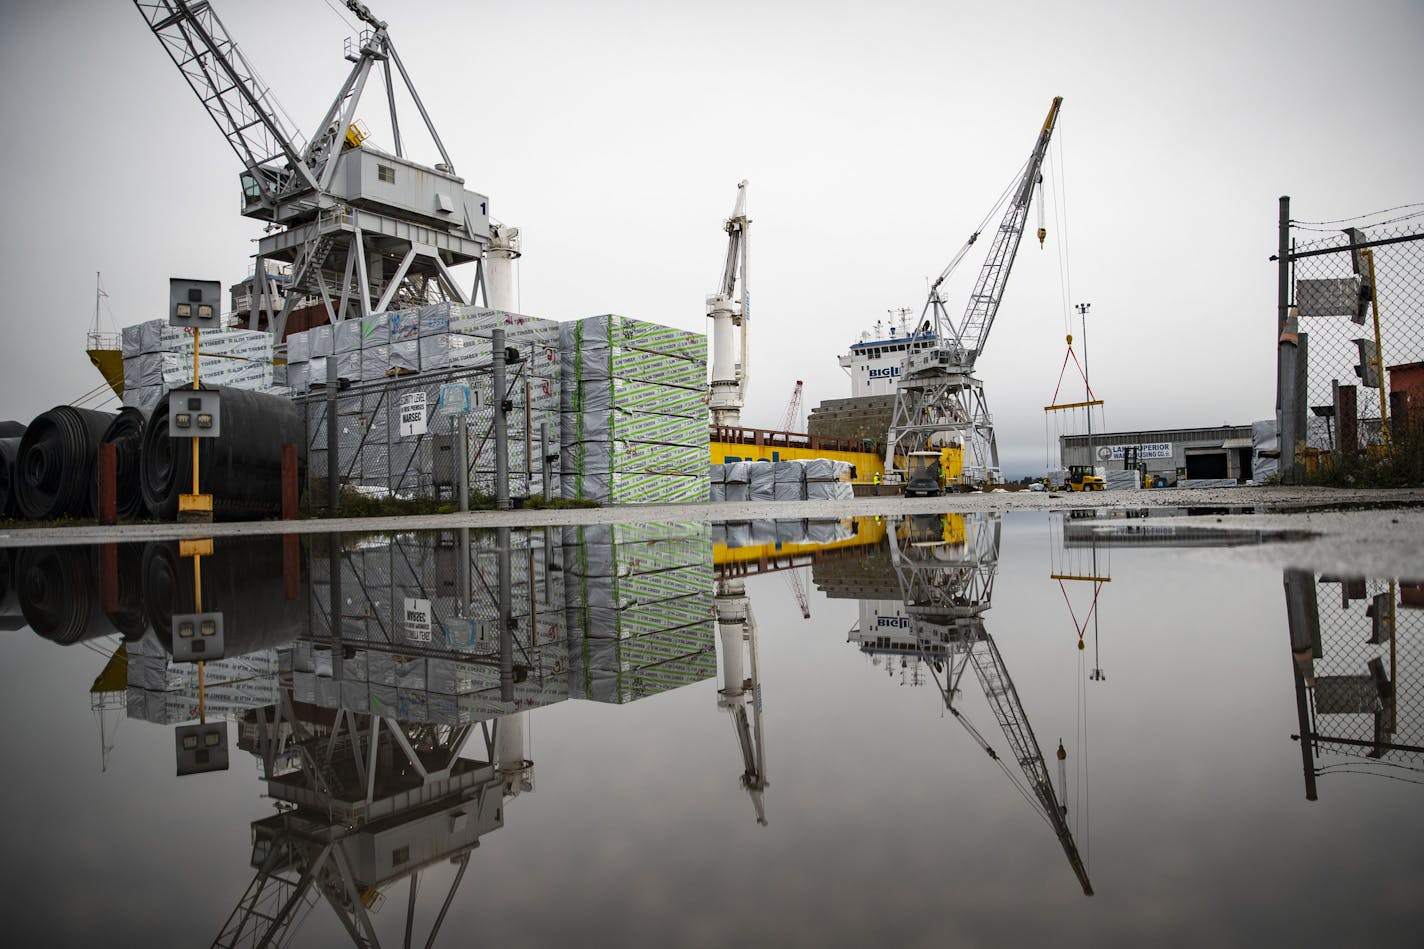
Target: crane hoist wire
(993, 211)
(1058, 190)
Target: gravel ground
(1383, 525)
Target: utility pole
(1087, 387)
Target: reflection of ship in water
(1357, 650)
(922, 609)
(382, 682)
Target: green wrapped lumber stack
(633, 400)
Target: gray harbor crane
(939, 402)
(359, 229)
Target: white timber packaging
(639, 600)
(404, 359)
(634, 405)
(159, 357)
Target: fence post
(289, 482)
(547, 470)
(1287, 355)
(108, 483)
(501, 431)
(462, 460)
(333, 465)
(1399, 417)
(1347, 421)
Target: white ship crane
(945, 565)
(361, 230)
(939, 402)
(730, 309)
(740, 694)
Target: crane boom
(244, 109)
(729, 309)
(993, 677)
(993, 277)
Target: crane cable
(1058, 190)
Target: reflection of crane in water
(740, 694)
(364, 801)
(945, 565)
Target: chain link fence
(397, 439)
(1355, 290)
(1365, 670)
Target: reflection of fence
(1360, 646)
(394, 440)
(1354, 291)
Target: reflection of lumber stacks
(420, 641)
(641, 595)
(634, 402)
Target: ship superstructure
(876, 360)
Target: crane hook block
(1042, 235)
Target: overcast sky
(875, 138)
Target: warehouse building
(1172, 454)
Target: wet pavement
(915, 726)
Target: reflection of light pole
(1087, 389)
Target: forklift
(1132, 461)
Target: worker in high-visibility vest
(877, 483)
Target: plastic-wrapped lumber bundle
(633, 396)
(828, 531)
(520, 331)
(1120, 480)
(826, 480)
(629, 580)
(56, 462)
(790, 481)
(717, 483)
(158, 357)
(761, 481)
(738, 475)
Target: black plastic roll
(11, 429)
(241, 469)
(126, 434)
(10, 615)
(59, 593)
(243, 580)
(9, 452)
(55, 466)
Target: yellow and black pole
(196, 507)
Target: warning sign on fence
(417, 620)
(412, 414)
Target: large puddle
(980, 729)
